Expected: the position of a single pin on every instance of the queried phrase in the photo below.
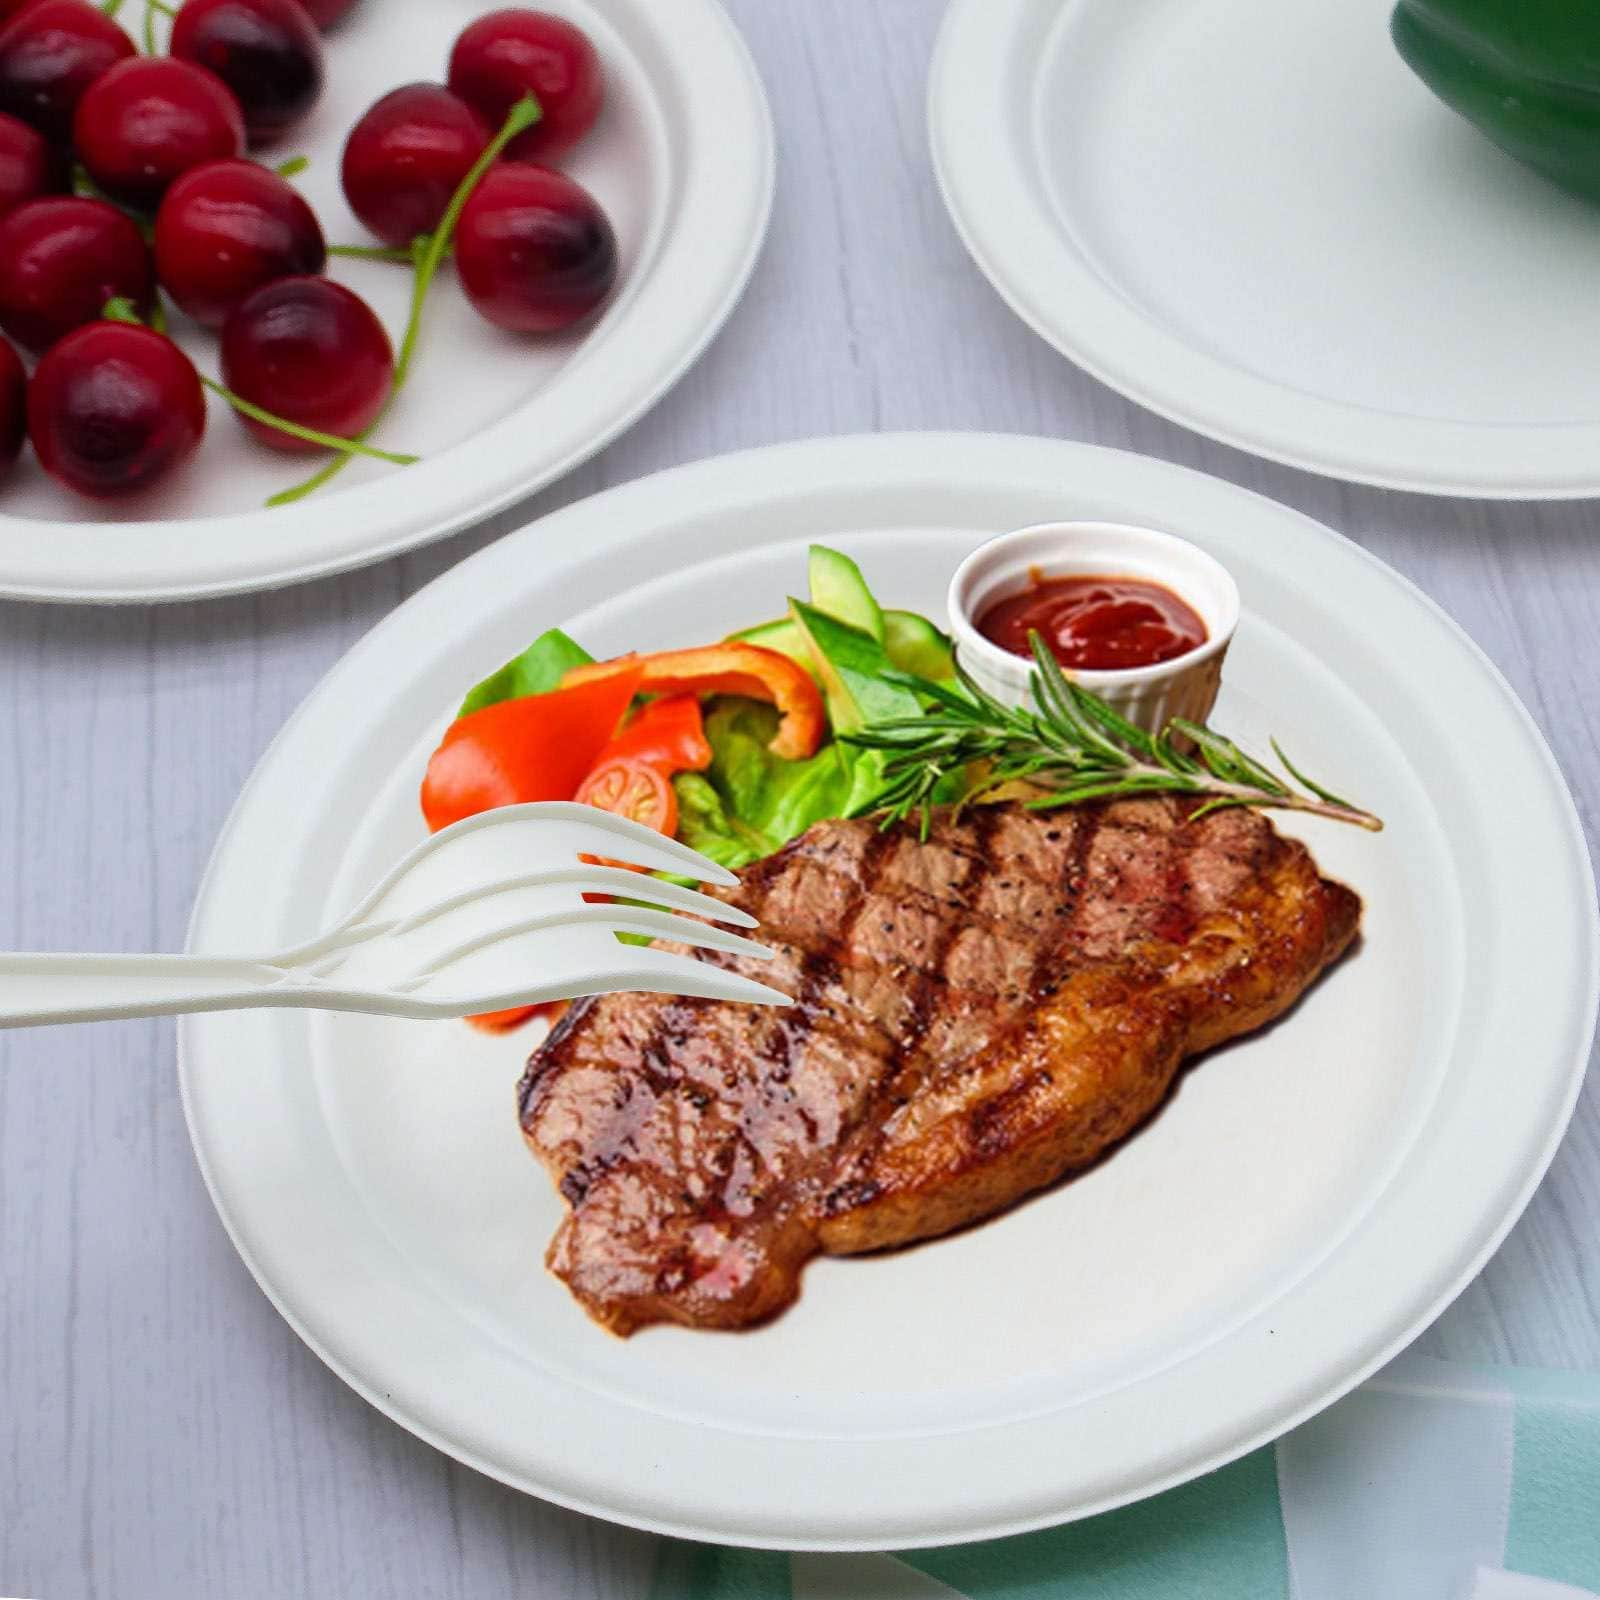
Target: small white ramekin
(1149, 697)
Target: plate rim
(986, 195)
(922, 458)
(742, 238)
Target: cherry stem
(430, 250)
(110, 8)
(329, 441)
(374, 252)
(293, 167)
(122, 310)
(521, 117)
(83, 184)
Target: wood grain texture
(162, 1432)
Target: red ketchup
(1095, 623)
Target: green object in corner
(1525, 72)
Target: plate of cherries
(290, 285)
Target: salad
(734, 747)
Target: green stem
(1146, 777)
(293, 167)
(522, 116)
(110, 8)
(149, 28)
(328, 441)
(373, 252)
(120, 309)
(83, 184)
(287, 497)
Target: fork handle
(45, 988)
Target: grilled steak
(975, 1016)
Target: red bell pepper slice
(536, 747)
(506, 1021)
(669, 734)
(729, 668)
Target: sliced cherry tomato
(730, 668)
(669, 734)
(634, 789)
(537, 747)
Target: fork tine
(577, 830)
(669, 925)
(625, 840)
(662, 972)
(613, 918)
(583, 878)
(658, 892)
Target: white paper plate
(682, 159)
(1252, 218)
(1309, 1200)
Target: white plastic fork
(486, 915)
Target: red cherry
(327, 12)
(60, 261)
(28, 166)
(114, 408)
(405, 158)
(227, 228)
(146, 122)
(310, 351)
(267, 51)
(534, 251)
(14, 8)
(49, 55)
(507, 54)
(13, 407)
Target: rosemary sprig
(1072, 745)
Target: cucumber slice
(915, 645)
(839, 591)
(851, 665)
(910, 641)
(782, 635)
(779, 634)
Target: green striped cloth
(1431, 1482)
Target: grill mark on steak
(1066, 892)
(897, 1091)
(790, 1028)
(1085, 829)
(979, 1014)
(658, 1079)
(978, 866)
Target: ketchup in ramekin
(1095, 622)
(1136, 616)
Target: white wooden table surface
(162, 1432)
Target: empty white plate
(1252, 218)
(1309, 1199)
(682, 160)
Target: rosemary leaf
(1074, 748)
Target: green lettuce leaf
(537, 670)
(704, 824)
(749, 802)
